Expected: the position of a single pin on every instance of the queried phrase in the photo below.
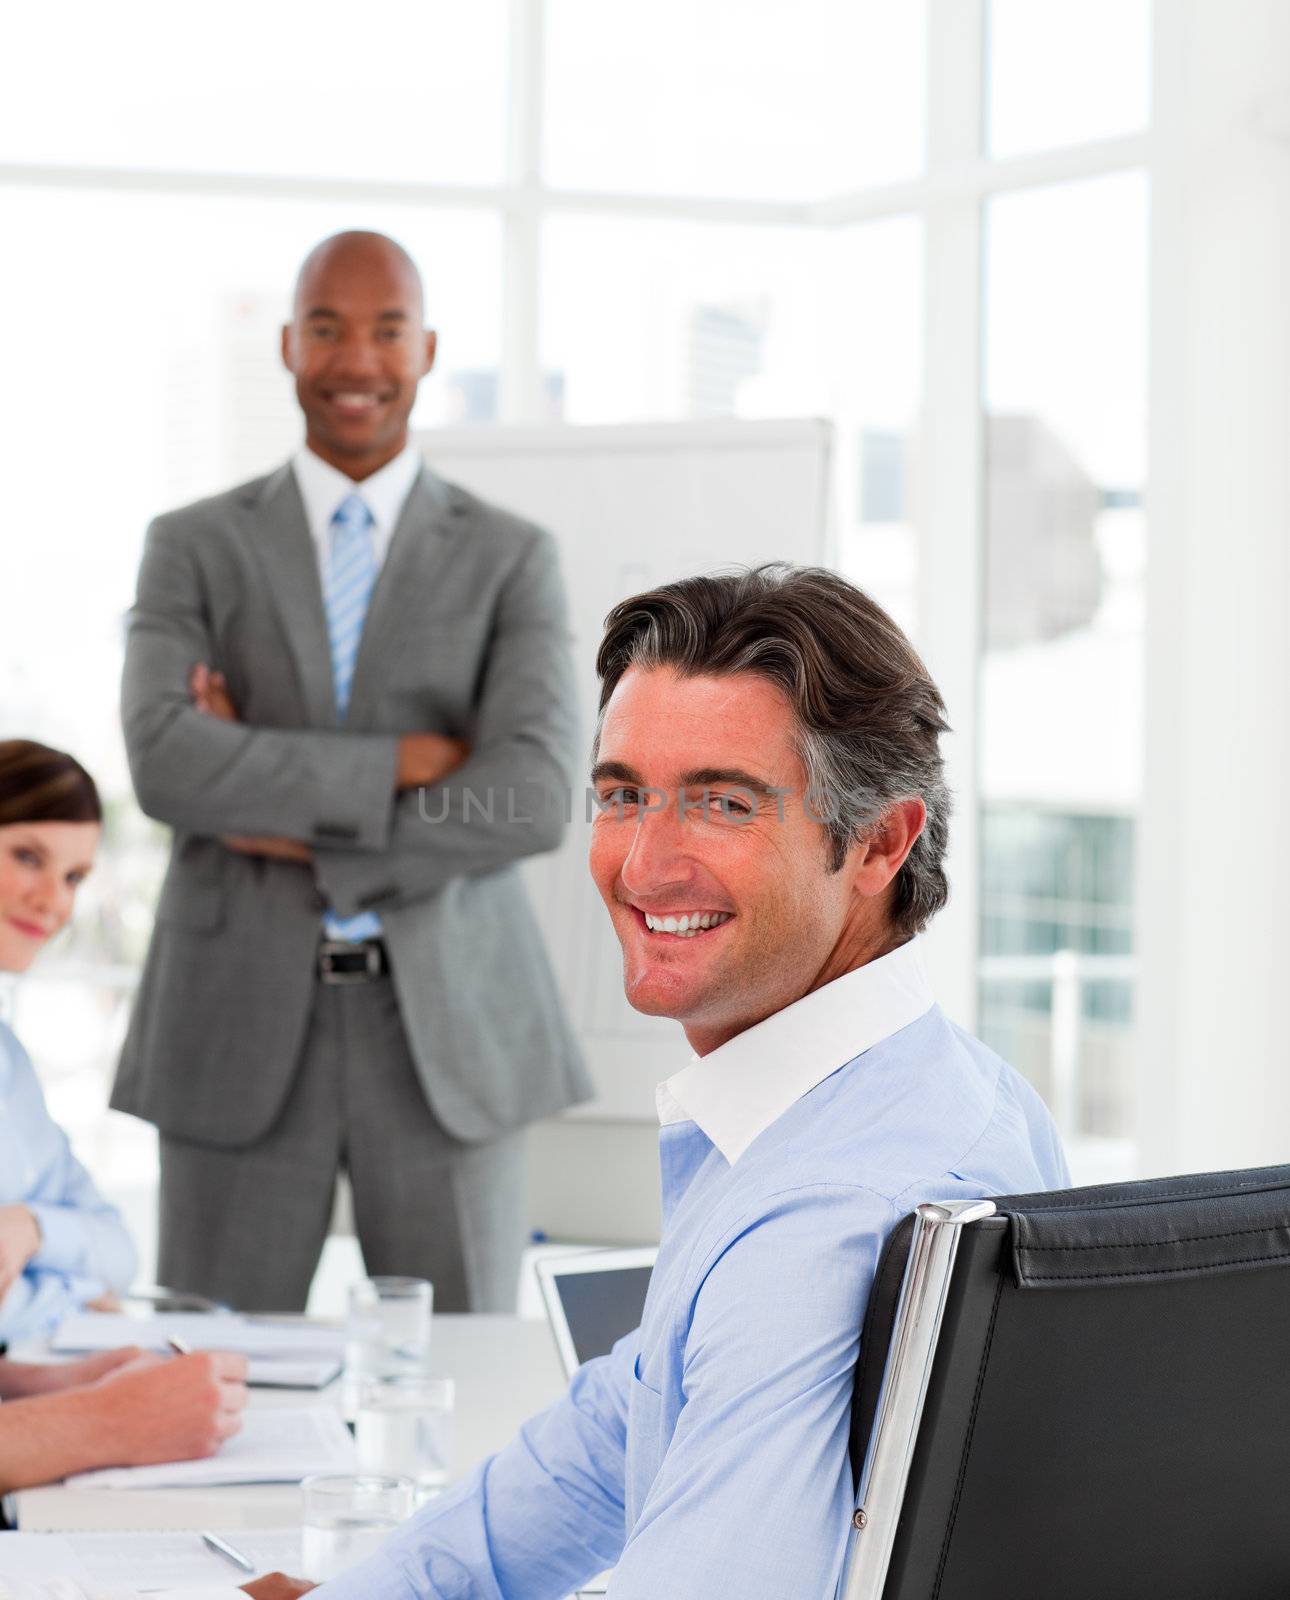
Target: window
(1061, 689)
(736, 98)
(261, 89)
(720, 210)
(1060, 74)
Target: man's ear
(284, 346)
(876, 859)
(432, 345)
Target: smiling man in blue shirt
(772, 822)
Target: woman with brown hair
(62, 1246)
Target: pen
(180, 1349)
(221, 1547)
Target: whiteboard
(632, 507)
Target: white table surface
(505, 1369)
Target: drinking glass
(387, 1332)
(406, 1427)
(346, 1518)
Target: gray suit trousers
(246, 1226)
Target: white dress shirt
(738, 1090)
(323, 487)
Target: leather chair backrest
(1108, 1416)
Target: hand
(426, 758)
(166, 1410)
(210, 693)
(277, 1586)
(19, 1380)
(269, 846)
(19, 1241)
(90, 1369)
(103, 1302)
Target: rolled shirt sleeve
(718, 1435)
(534, 1522)
(748, 1410)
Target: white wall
(595, 1182)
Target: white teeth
(687, 926)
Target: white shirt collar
(738, 1090)
(323, 487)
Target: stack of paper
(275, 1446)
(144, 1561)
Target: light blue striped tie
(351, 575)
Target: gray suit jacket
(466, 635)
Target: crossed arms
(350, 802)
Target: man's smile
(680, 924)
(354, 403)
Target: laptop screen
(593, 1303)
(600, 1307)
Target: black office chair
(1082, 1395)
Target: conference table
(505, 1368)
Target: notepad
(280, 1372)
(99, 1330)
(280, 1355)
(144, 1561)
(180, 1560)
(276, 1445)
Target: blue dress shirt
(85, 1250)
(707, 1455)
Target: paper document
(180, 1560)
(39, 1555)
(145, 1561)
(104, 1330)
(276, 1445)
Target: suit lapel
(279, 533)
(423, 542)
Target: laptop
(593, 1298)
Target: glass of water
(405, 1427)
(387, 1332)
(346, 1518)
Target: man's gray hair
(869, 717)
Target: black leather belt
(342, 962)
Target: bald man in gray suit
(348, 691)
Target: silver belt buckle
(330, 948)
